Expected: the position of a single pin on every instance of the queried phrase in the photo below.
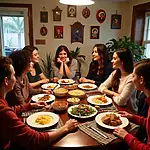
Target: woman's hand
(125, 114)
(82, 79)
(38, 105)
(70, 125)
(47, 91)
(67, 60)
(44, 81)
(55, 79)
(120, 132)
(59, 60)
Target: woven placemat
(99, 138)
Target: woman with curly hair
(120, 80)
(20, 94)
(63, 66)
(35, 75)
(100, 67)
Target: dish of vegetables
(82, 111)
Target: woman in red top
(141, 80)
(12, 129)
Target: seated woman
(141, 74)
(63, 65)
(120, 80)
(35, 75)
(12, 129)
(100, 67)
(22, 89)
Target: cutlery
(98, 132)
(54, 87)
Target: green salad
(82, 110)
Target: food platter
(66, 81)
(96, 100)
(49, 86)
(87, 86)
(76, 108)
(31, 120)
(43, 97)
(99, 121)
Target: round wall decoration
(86, 13)
(101, 15)
(43, 31)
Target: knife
(98, 132)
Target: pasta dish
(44, 119)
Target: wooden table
(80, 140)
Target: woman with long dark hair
(120, 80)
(100, 67)
(63, 65)
(141, 74)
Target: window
(147, 35)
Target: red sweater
(133, 142)
(13, 129)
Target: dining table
(81, 140)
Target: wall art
(71, 10)
(116, 21)
(94, 32)
(101, 15)
(58, 32)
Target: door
(14, 29)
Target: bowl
(76, 93)
(60, 92)
(73, 101)
(60, 105)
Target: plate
(87, 86)
(66, 81)
(98, 120)
(31, 119)
(49, 86)
(77, 116)
(90, 100)
(35, 98)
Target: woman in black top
(100, 67)
(35, 76)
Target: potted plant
(80, 58)
(125, 42)
(46, 65)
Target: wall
(86, 48)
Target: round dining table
(80, 140)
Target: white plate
(90, 100)
(92, 86)
(70, 109)
(35, 98)
(66, 81)
(46, 86)
(31, 119)
(98, 120)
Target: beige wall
(86, 48)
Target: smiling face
(95, 54)
(62, 55)
(35, 56)
(116, 61)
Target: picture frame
(86, 13)
(116, 21)
(43, 31)
(58, 32)
(101, 16)
(72, 11)
(57, 14)
(77, 32)
(94, 32)
(44, 16)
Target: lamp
(77, 2)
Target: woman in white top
(120, 80)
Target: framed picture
(101, 15)
(86, 12)
(116, 21)
(77, 32)
(43, 31)
(58, 32)
(71, 10)
(44, 16)
(94, 33)
(57, 14)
